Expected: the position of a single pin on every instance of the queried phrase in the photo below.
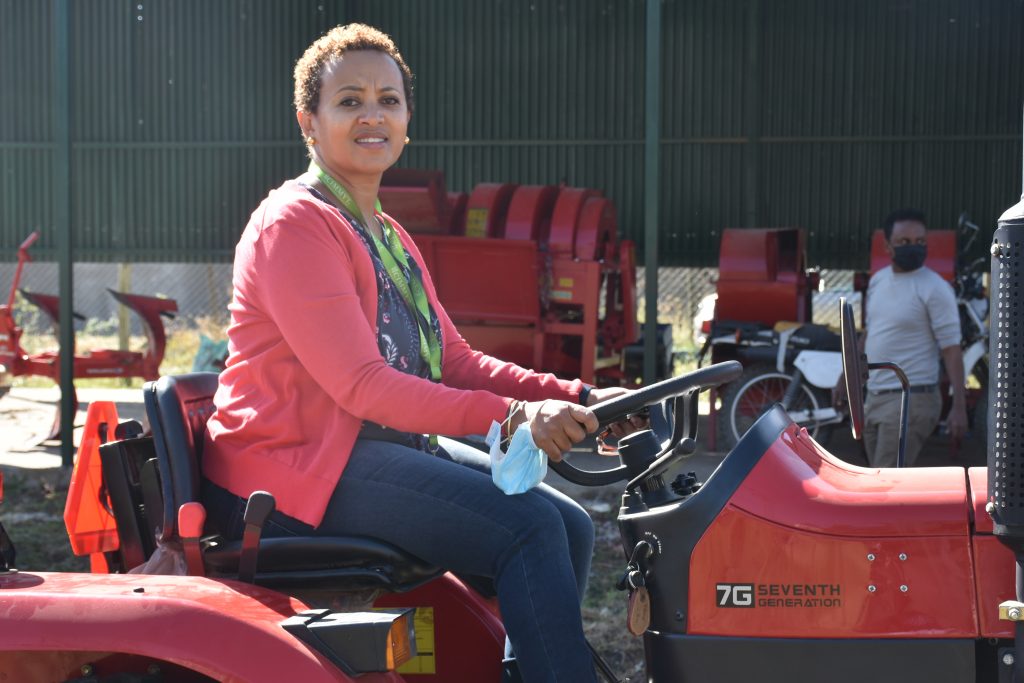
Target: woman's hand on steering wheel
(629, 425)
(555, 425)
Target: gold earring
(310, 141)
(407, 139)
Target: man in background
(911, 319)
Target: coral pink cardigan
(304, 368)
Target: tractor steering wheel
(619, 408)
(853, 369)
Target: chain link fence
(686, 298)
(203, 291)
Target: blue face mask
(522, 466)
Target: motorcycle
(796, 367)
(972, 302)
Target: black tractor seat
(351, 562)
(178, 408)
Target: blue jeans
(443, 508)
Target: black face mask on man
(909, 256)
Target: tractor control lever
(191, 520)
(257, 510)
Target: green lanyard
(430, 346)
(391, 252)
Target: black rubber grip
(711, 376)
(258, 508)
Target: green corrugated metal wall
(815, 113)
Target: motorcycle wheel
(758, 389)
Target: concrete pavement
(26, 415)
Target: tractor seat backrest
(178, 408)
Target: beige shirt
(910, 317)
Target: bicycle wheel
(758, 389)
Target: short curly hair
(900, 215)
(332, 45)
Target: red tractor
(786, 564)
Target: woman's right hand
(555, 425)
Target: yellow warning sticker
(476, 223)
(423, 662)
(565, 282)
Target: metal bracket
(1011, 610)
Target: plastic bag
(168, 559)
(211, 355)
(522, 466)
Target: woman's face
(361, 120)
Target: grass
(33, 514)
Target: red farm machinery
(15, 361)
(533, 274)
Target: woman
(341, 359)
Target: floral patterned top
(398, 333)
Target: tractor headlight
(358, 642)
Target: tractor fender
(227, 630)
(821, 369)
